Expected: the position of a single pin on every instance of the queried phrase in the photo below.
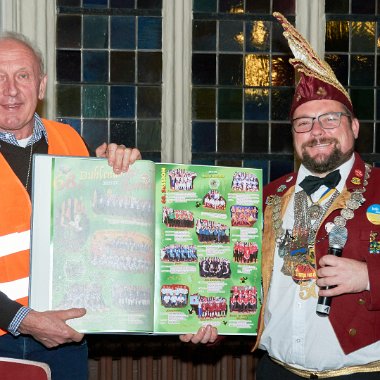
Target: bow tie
(311, 183)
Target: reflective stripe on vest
(12, 244)
(16, 242)
(17, 289)
(16, 209)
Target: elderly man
(42, 336)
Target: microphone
(337, 240)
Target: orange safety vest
(15, 206)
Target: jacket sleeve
(8, 310)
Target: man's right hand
(50, 328)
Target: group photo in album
(163, 248)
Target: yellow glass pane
(257, 70)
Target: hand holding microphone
(337, 241)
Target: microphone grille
(338, 236)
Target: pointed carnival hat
(317, 80)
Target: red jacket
(355, 318)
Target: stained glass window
(242, 85)
(352, 49)
(109, 71)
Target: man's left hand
(206, 334)
(348, 275)
(119, 156)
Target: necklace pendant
(314, 211)
(311, 254)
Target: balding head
(22, 39)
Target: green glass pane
(257, 6)
(363, 102)
(363, 36)
(362, 70)
(231, 69)
(149, 67)
(122, 67)
(378, 107)
(256, 137)
(123, 132)
(69, 29)
(204, 6)
(149, 135)
(283, 144)
(204, 69)
(377, 142)
(149, 102)
(231, 37)
(285, 7)
(149, 4)
(281, 101)
(337, 36)
(229, 137)
(68, 65)
(363, 7)
(230, 104)
(337, 6)
(339, 64)
(68, 101)
(95, 33)
(364, 143)
(230, 163)
(95, 101)
(204, 35)
(95, 132)
(203, 105)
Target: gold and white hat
(317, 79)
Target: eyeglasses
(328, 120)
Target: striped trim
(15, 242)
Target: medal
(314, 211)
(296, 248)
(347, 213)
(340, 221)
(353, 204)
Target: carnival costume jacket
(355, 317)
(15, 222)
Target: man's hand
(50, 328)
(206, 334)
(348, 275)
(119, 157)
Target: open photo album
(163, 248)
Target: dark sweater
(18, 159)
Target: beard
(327, 163)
